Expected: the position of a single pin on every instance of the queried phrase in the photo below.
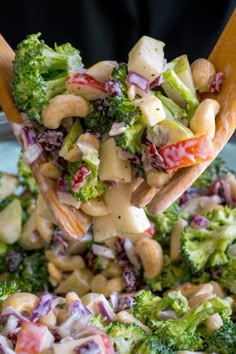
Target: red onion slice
(117, 128)
(32, 153)
(131, 254)
(141, 82)
(156, 82)
(46, 303)
(106, 252)
(200, 221)
(105, 310)
(5, 346)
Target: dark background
(107, 29)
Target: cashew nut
(126, 317)
(22, 302)
(151, 256)
(203, 72)
(48, 320)
(65, 263)
(54, 272)
(62, 106)
(70, 297)
(203, 120)
(45, 228)
(95, 207)
(50, 170)
(101, 285)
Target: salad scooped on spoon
(106, 141)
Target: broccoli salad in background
(59, 296)
(109, 136)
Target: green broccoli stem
(176, 111)
(55, 86)
(173, 80)
(196, 315)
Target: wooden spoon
(223, 56)
(72, 222)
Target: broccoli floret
(182, 334)
(120, 73)
(227, 278)
(27, 268)
(99, 321)
(25, 175)
(165, 222)
(7, 288)
(93, 186)
(40, 73)
(130, 139)
(96, 121)
(147, 307)
(217, 169)
(172, 274)
(32, 275)
(223, 339)
(111, 109)
(126, 337)
(215, 238)
(152, 345)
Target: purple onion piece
(46, 303)
(10, 311)
(200, 221)
(117, 128)
(156, 82)
(106, 252)
(62, 185)
(59, 245)
(141, 82)
(105, 310)
(5, 346)
(78, 307)
(89, 347)
(28, 136)
(31, 153)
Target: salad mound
(87, 296)
(113, 131)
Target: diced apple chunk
(33, 338)
(11, 222)
(102, 70)
(8, 184)
(93, 342)
(125, 217)
(102, 233)
(112, 167)
(151, 108)
(147, 57)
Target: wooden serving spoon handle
(223, 56)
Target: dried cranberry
(14, 260)
(58, 243)
(131, 278)
(87, 348)
(216, 83)
(52, 139)
(113, 87)
(81, 174)
(154, 158)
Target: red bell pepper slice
(187, 152)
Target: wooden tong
(72, 222)
(223, 56)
